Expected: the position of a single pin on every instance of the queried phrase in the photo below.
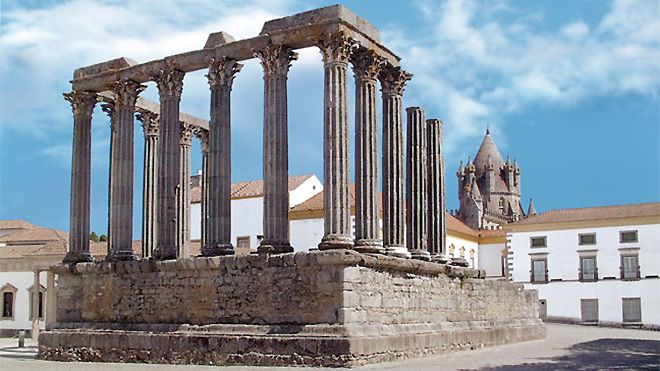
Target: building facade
(593, 265)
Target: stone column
(81, 176)
(336, 49)
(203, 136)
(120, 222)
(393, 81)
(183, 203)
(436, 190)
(276, 61)
(416, 178)
(151, 126)
(366, 66)
(51, 297)
(170, 86)
(35, 306)
(221, 76)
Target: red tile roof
(249, 189)
(594, 213)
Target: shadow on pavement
(26, 353)
(598, 355)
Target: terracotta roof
(16, 224)
(25, 236)
(594, 213)
(18, 251)
(315, 203)
(249, 189)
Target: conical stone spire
(531, 211)
(487, 150)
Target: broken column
(416, 236)
(150, 124)
(436, 190)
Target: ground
(567, 347)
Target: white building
(591, 265)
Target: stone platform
(330, 308)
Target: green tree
(93, 237)
(103, 238)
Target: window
(243, 242)
(7, 304)
(40, 309)
(630, 267)
(587, 239)
(632, 309)
(589, 308)
(588, 270)
(539, 270)
(628, 236)
(538, 241)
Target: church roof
(594, 213)
(487, 150)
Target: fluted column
(221, 76)
(393, 81)
(416, 178)
(183, 203)
(366, 66)
(336, 49)
(120, 226)
(81, 159)
(170, 86)
(203, 136)
(276, 61)
(436, 189)
(150, 125)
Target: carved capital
(170, 82)
(393, 80)
(222, 71)
(336, 47)
(150, 122)
(187, 132)
(82, 102)
(276, 59)
(203, 136)
(108, 108)
(126, 92)
(366, 64)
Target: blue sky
(568, 88)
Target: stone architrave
(221, 77)
(276, 61)
(203, 136)
(82, 103)
(183, 203)
(336, 49)
(170, 86)
(416, 180)
(366, 66)
(436, 189)
(151, 126)
(120, 224)
(393, 81)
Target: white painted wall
(22, 281)
(305, 191)
(463, 248)
(306, 233)
(563, 297)
(490, 258)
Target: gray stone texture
(276, 61)
(336, 50)
(366, 66)
(436, 211)
(221, 77)
(183, 197)
(170, 86)
(151, 127)
(393, 81)
(416, 182)
(81, 176)
(203, 136)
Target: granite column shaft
(183, 199)
(436, 190)
(416, 182)
(150, 124)
(203, 136)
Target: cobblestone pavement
(566, 347)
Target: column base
(397, 251)
(274, 247)
(163, 253)
(336, 241)
(420, 255)
(370, 246)
(459, 262)
(442, 259)
(121, 256)
(78, 257)
(218, 249)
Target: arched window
(41, 301)
(8, 297)
(462, 251)
(452, 248)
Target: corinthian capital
(393, 80)
(126, 92)
(108, 108)
(82, 102)
(203, 136)
(336, 47)
(276, 59)
(187, 132)
(366, 64)
(222, 71)
(150, 122)
(170, 82)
